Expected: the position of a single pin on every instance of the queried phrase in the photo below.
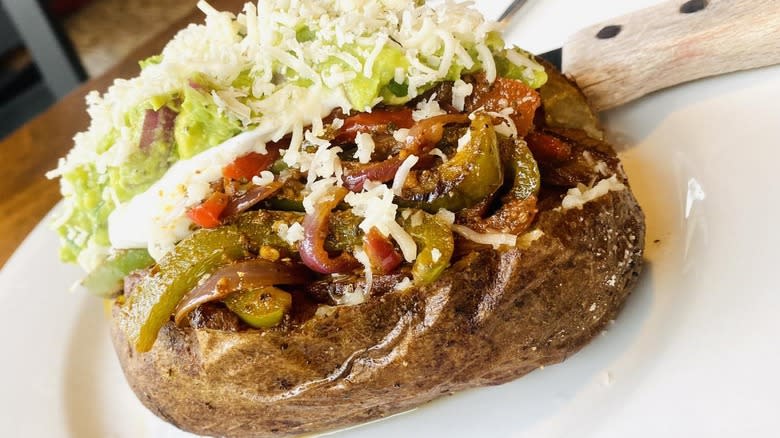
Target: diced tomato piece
(207, 214)
(381, 252)
(251, 164)
(547, 148)
(376, 121)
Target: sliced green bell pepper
(435, 243)
(260, 308)
(473, 174)
(152, 302)
(522, 170)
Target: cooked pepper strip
(381, 252)
(523, 171)
(518, 205)
(251, 164)
(474, 173)
(208, 214)
(107, 279)
(288, 198)
(150, 305)
(260, 308)
(548, 148)
(436, 245)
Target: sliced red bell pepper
(208, 213)
(381, 252)
(547, 148)
(251, 164)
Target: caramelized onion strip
(249, 274)
(315, 231)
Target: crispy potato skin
(492, 318)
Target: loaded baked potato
(305, 228)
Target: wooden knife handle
(671, 43)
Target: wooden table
(28, 153)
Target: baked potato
(493, 316)
(281, 270)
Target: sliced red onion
(157, 125)
(249, 199)
(382, 171)
(315, 231)
(244, 275)
(374, 122)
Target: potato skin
(492, 318)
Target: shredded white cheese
(528, 238)
(577, 197)
(375, 205)
(521, 60)
(446, 215)
(400, 135)
(507, 127)
(417, 218)
(228, 100)
(438, 153)
(460, 91)
(403, 173)
(365, 147)
(403, 285)
(324, 311)
(263, 179)
(352, 296)
(427, 109)
(320, 191)
(362, 257)
(488, 63)
(496, 240)
(464, 140)
(588, 158)
(602, 168)
(291, 234)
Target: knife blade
(676, 41)
(553, 57)
(511, 10)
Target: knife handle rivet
(608, 32)
(692, 6)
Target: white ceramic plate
(694, 353)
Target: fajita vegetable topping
(278, 141)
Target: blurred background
(49, 47)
